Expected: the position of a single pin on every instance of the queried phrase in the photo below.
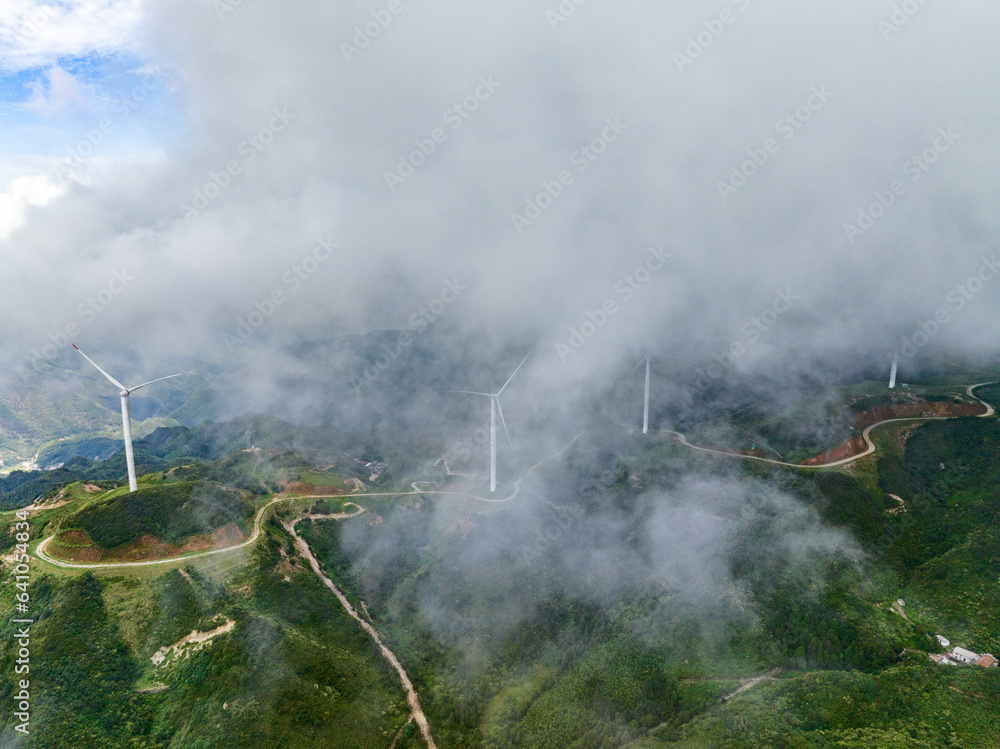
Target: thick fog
(781, 180)
(339, 212)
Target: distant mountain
(55, 401)
(355, 383)
(223, 447)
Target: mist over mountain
(344, 224)
(840, 108)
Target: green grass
(637, 665)
(324, 479)
(296, 671)
(170, 513)
(913, 704)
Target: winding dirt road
(866, 435)
(411, 694)
(41, 553)
(40, 550)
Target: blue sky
(78, 93)
(48, 111)
(64, 68)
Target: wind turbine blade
(168, 377)
(500, 391)
(500, 412)
(641, 362)
(113, 380)
(471, 392)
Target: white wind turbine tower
(126, 415)
(892, 374)
(494, 410)
(645, 396)
(645, 401)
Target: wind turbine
(645, 397)
(126, 415)
(892, 374)
(494, 410)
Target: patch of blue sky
(49, 111)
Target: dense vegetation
(912, 705)
(170, 512)
(82, 672)
(211, 452)
(510, 632)
(576, 674)
(947, 544)
(293, 671)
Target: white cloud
(355, 120)
(24, 193)
(63, 91)
(35, 34)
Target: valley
(481, 620)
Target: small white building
(944, 641)
(964, 656)
(901, 602)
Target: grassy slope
(576, 674)
(574, 678)
(296, 671)
(170, 512)
(913, 705)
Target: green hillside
(619, 601)
(292, 671)
(58, 410)
(170, 512)
(578, 673)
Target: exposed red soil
(865, 419)
(145, 548)
(840, 452)
(78, 552)
(921, 408)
